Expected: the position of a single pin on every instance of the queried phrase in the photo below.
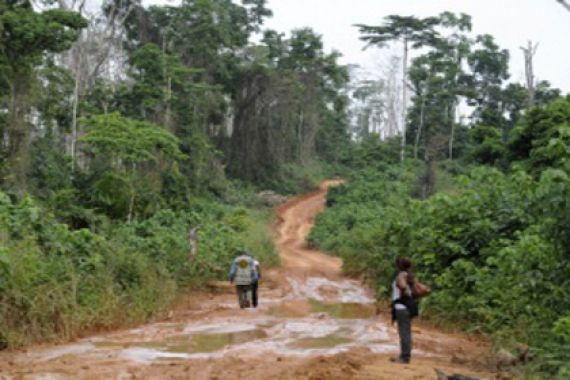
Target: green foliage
(129, 141)
(298, 178)
(487, 146)
(407, 28)
(542, 139)
(494, 247)
(60, 282)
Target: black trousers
(243, 295)
(405, 331)
(254, 287)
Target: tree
(564, 4)
(25, 36)
(439, 80)
(489, 66)
(408, 30)
(127, 145)
(529, 52)
(287, 97)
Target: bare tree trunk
(529, 53)
(167, 87)
(404, 100)
(300, 132)
(193, 242)
(564, 4)
(75, 106)
(132, 195)
(17, 132)
(451, 137)
(419, 132)
(453, 125)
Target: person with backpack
(243, 274)
(406, 290)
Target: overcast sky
(512, 22)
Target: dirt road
(312, 324)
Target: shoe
(400, 360)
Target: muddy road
(311, 324)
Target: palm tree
(408, 30)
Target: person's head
(242, 252)
(403, 264)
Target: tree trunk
(167, 88)
(453, 125)
(17, 130)
(300, 135)
(404, 100)
(74, 114)
(564, 4)
(429, 177)
(529, 53)
(451, 141)
(133, 193)
(419, 132)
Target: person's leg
(242, 294)
(247, 291)
(254, 293)
(405, 332)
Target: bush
(58, 283)
(494, 249)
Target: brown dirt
(283, 306)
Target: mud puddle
(318, 316)
(311, 323)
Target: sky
(511, 22)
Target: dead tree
(564, 4)
(529, 53)
(93, 49)
(193, 242)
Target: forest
(121, 133)
(482, 207)
(125, 128)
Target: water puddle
(319, 316)
(328, 341)
(189, 343)
(325, 290)
(290, 309)
(344, 310)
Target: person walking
(255, 284)
(404, 307)
(243, 274)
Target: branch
(115, 22)
(564, 4)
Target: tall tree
(564, 4)
(489, 66)
(409, 30)
(25, 36)
(529, 52)
(127, 145)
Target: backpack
(244, 271)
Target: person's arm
(254, 275)
(258, 270)
(402, 281)
(233, 270)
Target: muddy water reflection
(328, 341)
(192, 343)
(344, 310)
(319, 316)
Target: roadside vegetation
(486, 223)
(121, 134)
